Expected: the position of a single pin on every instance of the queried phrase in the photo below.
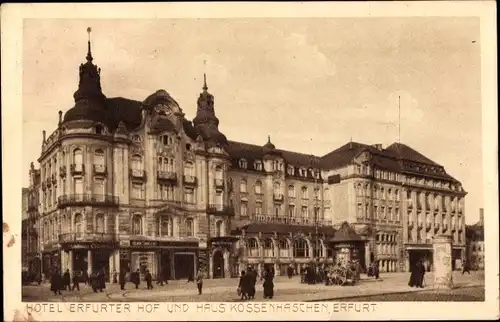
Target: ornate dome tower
(205, 122)
(89, 99)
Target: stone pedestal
(443, 277)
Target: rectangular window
(304, 213)
(78, 186)
(258, 208)
(244, 209)
(98, 188)
(189, 195)
(291, 211)
(137, 191)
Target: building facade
(127, 185)
(475, 243)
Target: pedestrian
(199, 282)
(122, 279)
(115, 277)
(252, 281)
(137, 278)
(76, 281)
(376, 270)
(289, 271)
(66, 280)
(101, 278)
(93, 282)
(243, 286)
(268, 285)
(56, 282)
(465, 267)
(421, 274)
(85, 277)
(162, 278)
(190, 277)
(149, 280)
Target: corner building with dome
(129, 185)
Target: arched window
(99, 157)
(165, 226)
(300, 248)
(189, 169)
(243, 186)
(258, 187)
(304, 193)
(77, 156)
(268, 248)
(136, 162)
(359, 190)
(189, 227)
(284, 248)
(291, 191)
(219, 232)
(137, 225)
(99, 223)
(79, 225)
(253, 247)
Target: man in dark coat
(76, 281)
(94, 282)
(417, 275)
(268, 285)
(101, 280)
(122, 279)
(85, 277)
(465, 267)
(56, 283)
(66, 279)
(162, 279)
(137, 278)
(253, 281)
(243, 286)
(149, 280)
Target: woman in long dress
(243, 286)
(268, 285)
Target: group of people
(417, 275)
(58, 282)
(248, 281)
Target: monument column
(443, 277)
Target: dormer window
(290, 170)
(257, 165)
(243, 163)
(136, 138)
(98, 129)
(166, 140)
(303, 172)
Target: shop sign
(157, 243)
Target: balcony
(190, 180)
(88, 237)
(304, 202)
(445, 227)
(410, 224)
(87, 199)
(420, 224)
(62, 171)
(219, 183)
(437, 226)
(167, 176)
(137, 174)
(453, 227)
(220, 210)
(291, 200)
(428, 226)
(278, 197)
(100, 170)
(77, 169)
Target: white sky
(311, 84)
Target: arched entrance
(218, 267)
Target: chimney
(44, 135)
(481, 216)
(60, 117)
(378, 146)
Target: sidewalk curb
(390, 293)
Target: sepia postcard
(250, 161)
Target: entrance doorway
(218, 268)
(80, 261)
(183, 266)
(100, 261)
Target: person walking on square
(122, 279)
(149, 280)
(66, 280)
(253, 281)
(137, 278)
(243, 286)
(85, 277)
(56, 282)
(465, 267)
(289, 271)
(268, 285)
(115, 277)
(190, 278)
(199, 282)
(421, 274)
(76, 281)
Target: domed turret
(89, 99)
(269, 147)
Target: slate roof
(346, 233)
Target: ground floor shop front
(424, 254)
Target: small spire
(268, 139)
(89, 52)
(205, 87)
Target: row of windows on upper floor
(165, 226)
(259, 209)
(277, 190)
(278, 165)
(420, 236)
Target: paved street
(285, 290)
